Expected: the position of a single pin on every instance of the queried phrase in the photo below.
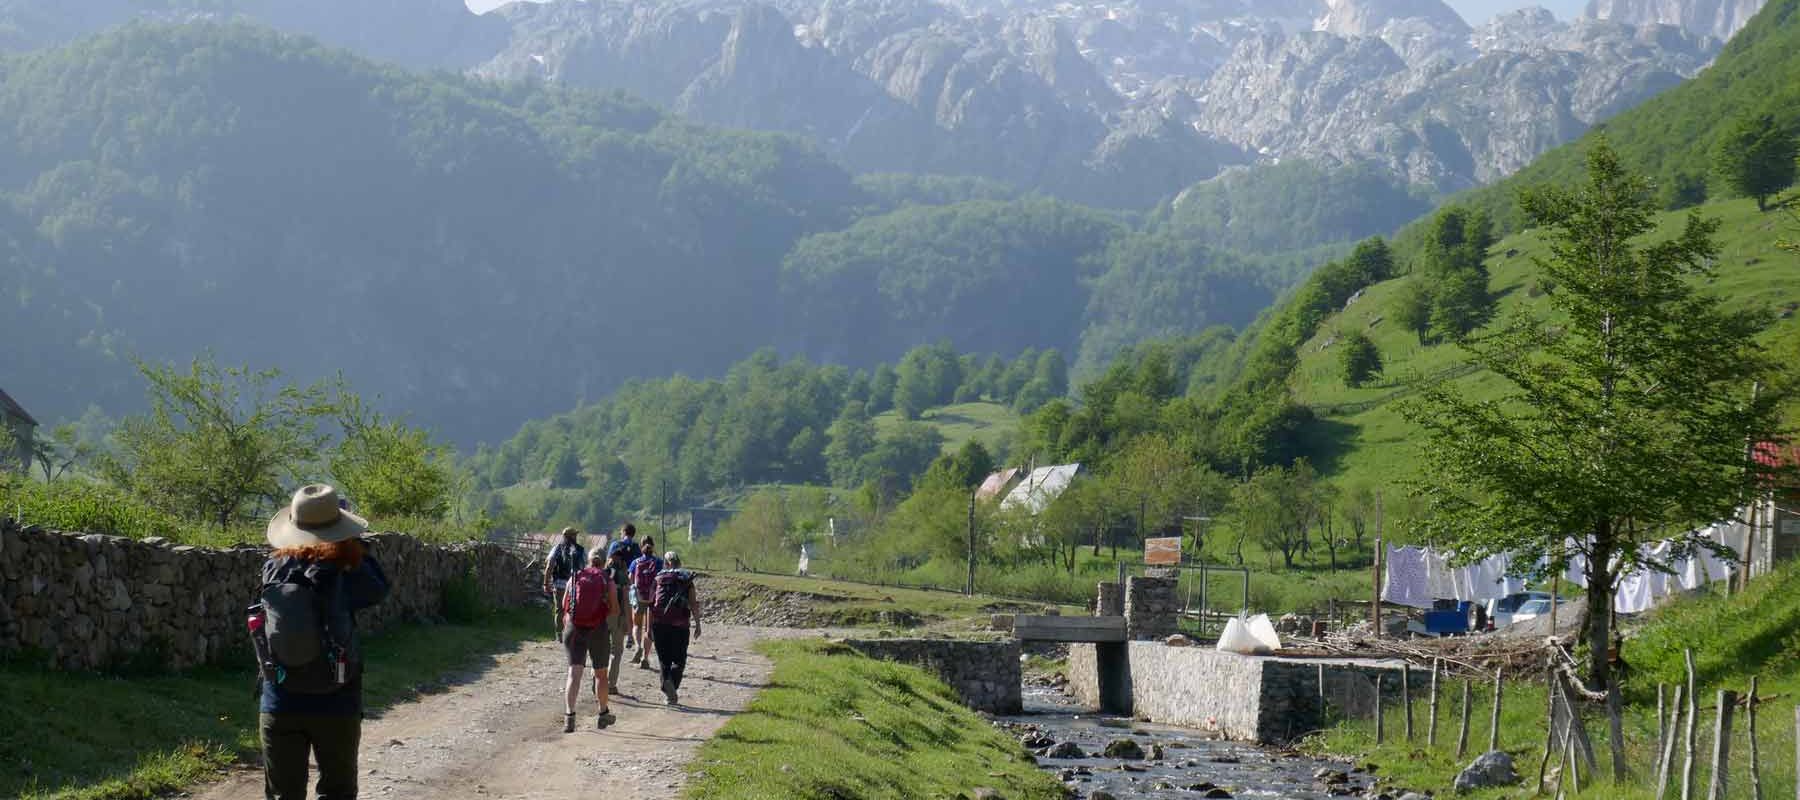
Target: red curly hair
(347, 554)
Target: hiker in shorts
(318, 576)
(674, 608)
(589, 601)
(643, 589)
(619, 621)
(566, 558)
(628, 545)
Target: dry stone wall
(1152, 606)
(986, 675)
(87, 601)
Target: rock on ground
(1491, 769)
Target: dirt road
(498, 733)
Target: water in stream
(1193, 763)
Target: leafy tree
(881, 389)
(1412, 309)
(1455, 267)
(904, 454)
(1685, 190)
(927, 377)
(59, 452)
(806, 456)
(1359, 359)
(1755, 157)
(388, 468)
(965, 469)
(219, 443)
(850, 439)
(1460, 304)
(1625, 421)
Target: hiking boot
(568, 723)
(606, 718)
(668, 690)
(613, 689)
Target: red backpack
(590, 598)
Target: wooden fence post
(1797, 749)
(1552, 744)
(1721, 760)
(1380, 724)
(1615, 729)
(1666, 759)
(1494, 722)
(1755, 759)
(1462, 736)
(1687, 745)
(1662, 726)
(1431, 724)
(1406, 696)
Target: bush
(91, 508)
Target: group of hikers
(619, 597)
(322, 570)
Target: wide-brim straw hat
(314, 517)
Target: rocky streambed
(1098, 757)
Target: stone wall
(1245, 698)
(986, 675)
(1109, 600)
(92, 601)
(1151, 607)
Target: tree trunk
(1599, 606)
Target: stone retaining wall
(1246, 698)
(986, 675)
(1152, 606)
(92, 601)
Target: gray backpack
(311, 653)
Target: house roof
(11, 408)
(997, 483)
(1041, 487)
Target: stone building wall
(986, 675)
(91, 601)
(1245, 698)
(1152, 606)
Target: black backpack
(307, 643)
(566, 559)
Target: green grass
(833, 724)
(1372, 444)
(1755, 633)
(990, 423)
(92, 736)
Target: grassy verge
(1753, 633)
(833, 724)
(90, 736)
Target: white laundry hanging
(1405, 581)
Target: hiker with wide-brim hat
(320, 574)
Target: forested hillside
(480, 254)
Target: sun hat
(570, 533)
(313, 517)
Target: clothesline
(1642, 588)
(1419, 576)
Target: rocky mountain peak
(1369, 17)
(1716, 18)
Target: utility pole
(663, 515)
(969, 588)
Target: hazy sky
(1475, 11)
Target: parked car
(1534, 608)
(1505, 611)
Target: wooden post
(1666, 762)
(1662, 722)
(1431, 724)
(1406, 697)
(1553, 744)
(1687, 745)
(1494, 722)
(1375, 598)
(1565, 765)
(1721, 759)
(1797, 749)
(1616, 729)
(1755, 765)
(1321, 690)
(1380, 724)
(1462, 736)
(1576, 728)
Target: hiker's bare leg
(573, 690)
(600, 689)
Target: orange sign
(1162, 552)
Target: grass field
(1371, 444)
(1755, 633)
(833, 724)
(990, 423)
(92, 736)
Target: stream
(1192, 763)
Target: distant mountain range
(1121, 103)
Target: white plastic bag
(1249, 636)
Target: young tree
(1412, 308)
(59, 452)
(1756, 158)
(1625, 420)
(219, 442)
(1359, 358)
(881, 389)
(390, 469)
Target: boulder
(1124, 748)
(1179, 640)
(1490, 770)
(1065, 750)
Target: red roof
(1777, 455)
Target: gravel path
(498, 734)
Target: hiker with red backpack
(590, 601)
(303, 633)
(643, 589)
(674, 608)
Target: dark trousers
(671, 649)
(289, 741)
